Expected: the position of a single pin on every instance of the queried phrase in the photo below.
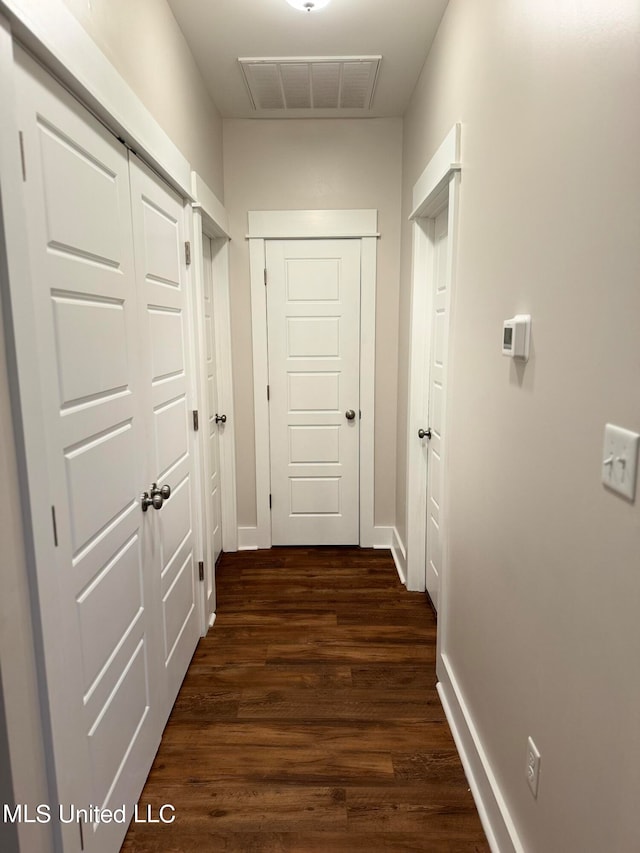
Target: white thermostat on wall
(515, 336)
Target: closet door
(99, 602)
(161, 273)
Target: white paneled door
(164, 310)
(313, 311)
(117, 606)
(213, 425)
(437, 378)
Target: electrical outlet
(533, 766)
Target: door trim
(438, 186)
(210, 220)
(318, 224)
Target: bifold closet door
(99, 601)
(161, 273)
(112, 351)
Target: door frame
(438, 186)
(305, 225)
(210, 220)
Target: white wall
(143, 41)
(315, 163)
(541, 622)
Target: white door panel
(313, 311)
(437, 379)
(212, 429)
(105, 727)
(159, 239)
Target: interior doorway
(434, 242)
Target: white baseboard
(492, 808)
(247, 539)
(399, 553)
(212, 619)
(382, 537)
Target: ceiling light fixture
(308, 5)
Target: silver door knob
(164, 491)
(349, 414)
(221, 419)
(424, 433)
(147, 500)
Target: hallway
(309, 718)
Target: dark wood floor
(309, 720)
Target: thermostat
(515, 336)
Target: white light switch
(620, 460)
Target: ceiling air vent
(311, 83)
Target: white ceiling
(219, 32)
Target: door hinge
(265, 276)
(81, 834)
(360, 411)
(196, 421)
(22, 157)
(270, 502)
(201, 570)
(268, 393)
(55, 526)
(187, 253)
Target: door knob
(349, 414)
(147, 500)
(221, 419)
(424, 433)
(163, 491)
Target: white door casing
(104, 703)
(216, 485)
(358, 225)
(313, 311)
(434, 446)
(165, 330)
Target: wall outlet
(533, 766)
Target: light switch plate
(620, 460)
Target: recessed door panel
(313, 337)
(178, 604)
(91, 343)
(102, 481)
(315, 495)
(81, 197)
(116, 590)
(313, 279)
(175, 521)
(166, 342)
(161, 244)
(118, 726)
(172, 439)
(313, 392)
(314, 444)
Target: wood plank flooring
(309, 720)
